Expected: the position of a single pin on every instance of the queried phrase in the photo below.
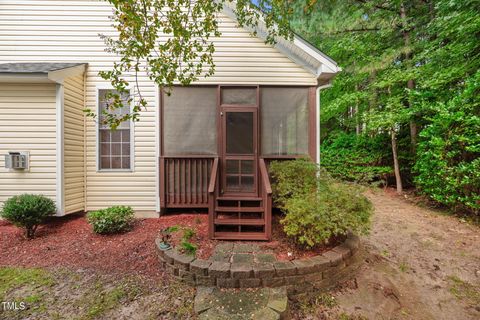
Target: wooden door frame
(221, 130)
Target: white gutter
(319, 88)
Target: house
(204, 146)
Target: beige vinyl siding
(28, 123)
(73, 140)
(67, 31)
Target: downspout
(319, 88)
(85, 140)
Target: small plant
(28, 211)
(187, 234)
(111, 220)
(167, 236)
(316, 207)
(186, 245)
(403, 267)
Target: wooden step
(239, 209)
(240, 236)
(239, 199)
(242, 222)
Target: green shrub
(28, 211)
(292, 177)
(448, 161)
(357, 158)
(111, 220)
(320, 210)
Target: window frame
(97, 134)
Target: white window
(115, 147)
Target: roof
(38, 72)
(41, 67)
(299, 50)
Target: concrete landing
(238, 304)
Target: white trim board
(60, 176)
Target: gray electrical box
(17, 160)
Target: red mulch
(70, 242)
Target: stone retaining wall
(319, 272)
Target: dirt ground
(420, 264)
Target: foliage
(185, 242)
(355, 158)
(448, 164)
(187, 53)
(405, 66)
(115, 219)
(291, 178)
(321, 211)
(28, 211)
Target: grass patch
(101, 298)
(464, 291)
(344, 316)
(67, 294)
(309, 303)
(404, 267)
(13, 278)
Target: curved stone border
(322, 271)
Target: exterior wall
(74, 164)
(67, 31)
(28, 123)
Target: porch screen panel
(189, 119)
(284, 116)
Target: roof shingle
(36, 67)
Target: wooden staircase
(240, 218)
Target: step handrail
(267, 198)
(213, 176)
(212, 193)
(265, 179)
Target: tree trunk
(357, 118)
(396, 166)
(413, 136)
(357, 121)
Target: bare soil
(420, 264)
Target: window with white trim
(114, 146)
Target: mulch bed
(70, 242)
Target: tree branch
(355, 30)
(377, 6)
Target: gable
(67, 31)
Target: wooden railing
(184, 181)
(212, 194)
(266, 197)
